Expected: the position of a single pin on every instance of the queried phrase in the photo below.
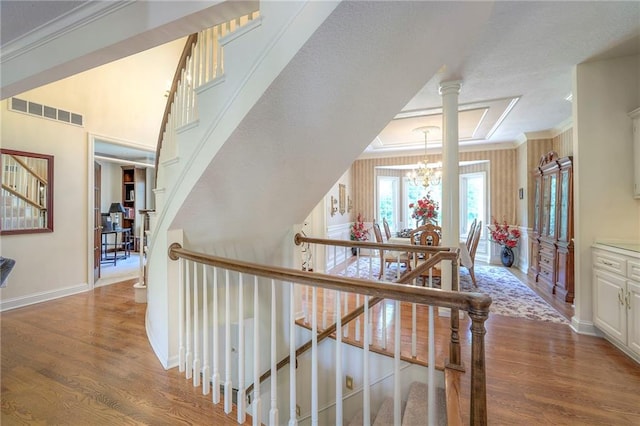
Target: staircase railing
(204, 278)
(201, 62)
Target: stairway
(414, 412)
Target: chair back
(429, 238)
(387, 231)
(377, 232)
(475, 240)
(472, 229)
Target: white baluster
(273, 413)
(188, 295)
(210, 53)
(335, 256)
(357, 336)
(314, 359)
(181, 349)
(346, 310)
(293, 420)
(228, 389)
(397, 403)
(206, 371)
(215, 378)
(366, 395)
(257, 403)
(196, 328)
(339, 413)
(241, 399)
(306, 304)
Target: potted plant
(507, 238)
(358, 232)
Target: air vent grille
(44, 111)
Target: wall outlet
(297, 410)
(349, 383)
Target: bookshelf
(133, 197)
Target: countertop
(633, 246)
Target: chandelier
(425, 175)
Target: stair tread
(415, 412)
(384, 416)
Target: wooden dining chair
(387, 231)
(469, 261)
(389, 257)
(472, 228)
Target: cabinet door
(609, 309)
(633, 315)
(563, 229)
(546, 191)
(536, 206)
(553, 198)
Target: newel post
(479, 316)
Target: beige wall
(604, 207)
(503, 183)
(49, 264)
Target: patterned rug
(510, 297)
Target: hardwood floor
(85, 359)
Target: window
(388, 197)
(472, 199)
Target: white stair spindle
(293, 420)
(306, 304)
(346, 310)
(206, 385)
(215, 378)
(397, 402)
(228, 389)
(187, 298)
(366, 391)
(196, 327)
(324, 308)
(314, 358)
(273, 413)
(241, 404)
(339, 414)
(257, 403)
(181, 349)
(357, 336)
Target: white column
(450, 208)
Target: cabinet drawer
(610, 262)
(546, 273)
(633, 270)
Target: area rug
(510, 297)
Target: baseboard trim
(584, 327)
(45, 296)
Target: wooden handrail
(182, 64)
(407, 293)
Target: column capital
(450, 87)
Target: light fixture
(116, 209)
(425, 175)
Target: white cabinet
(616, 296)
(635, 116)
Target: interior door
(97, 221)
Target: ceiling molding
(562, 127)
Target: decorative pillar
(450, 208)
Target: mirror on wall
(27, 192)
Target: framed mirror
(27, 192)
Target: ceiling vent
(44, 111)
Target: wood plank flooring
(86, 360)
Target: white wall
(49, 265)
(111, 185)
(604, 208)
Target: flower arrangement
(425, 209)
(358, 230)
(501, 234)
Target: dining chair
(426, 237)
(387, 231)
(469, 261)
(389, 257)
(472, 228)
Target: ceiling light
(425, 175)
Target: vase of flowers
(358, 232)
(425, 210)
(507, 238)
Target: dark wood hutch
(552, 243)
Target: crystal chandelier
(425, 175)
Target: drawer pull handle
(621, 297)
(627, 299)
(604, 262)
